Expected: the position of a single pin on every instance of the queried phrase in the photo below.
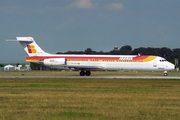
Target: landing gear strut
(87, 73)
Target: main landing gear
(87, 73)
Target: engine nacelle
(54, 61)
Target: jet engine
(54, 61)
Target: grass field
(79, 99)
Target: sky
(74, 25)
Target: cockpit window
(162, 60)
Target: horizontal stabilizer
(22, 39)
(19, 40)
(25, 39)
(11, 40)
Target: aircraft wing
(82, 67)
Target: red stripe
(83, 58)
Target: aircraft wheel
(82, 73)
(165, 74)
(88, 73)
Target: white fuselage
(107, 62)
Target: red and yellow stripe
(137, 58)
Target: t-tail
(30, 46)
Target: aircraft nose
(174, 67)
(171, 66)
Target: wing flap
(81, 66)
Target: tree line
(167, 53)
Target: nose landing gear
(165, 73)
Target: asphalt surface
(122, 77)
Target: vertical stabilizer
(30, 46)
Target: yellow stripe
(33, 60)
(150, 58)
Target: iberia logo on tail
(31, 49)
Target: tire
(88, 73)
(82, 73)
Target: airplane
(86, 63)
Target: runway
(111, 77)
